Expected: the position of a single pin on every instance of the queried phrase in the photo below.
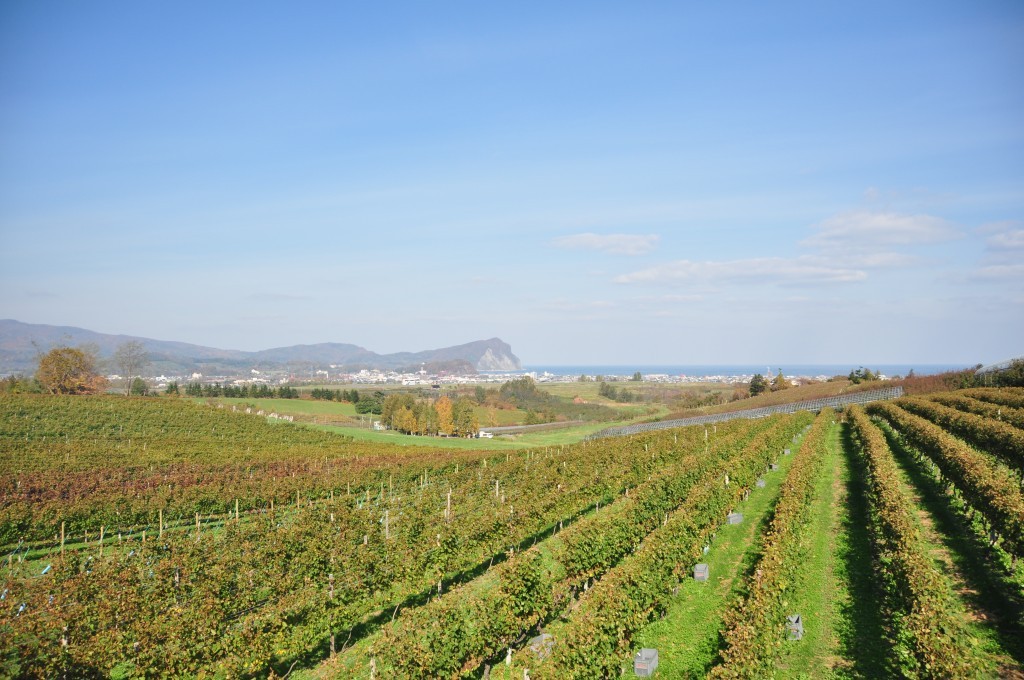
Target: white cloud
(1009, 240)
(1000, 273)
(864, 230)
(767, 270)
(1004, 251)
(615, 244)
(843, 248)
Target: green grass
(660, 394)
(824, 597)
(528, 440)
(688, 637)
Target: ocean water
(806, 370)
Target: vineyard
(165, 538)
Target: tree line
(196, 389)
(441, 416)
(351, 396)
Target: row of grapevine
(601, 625)
(478, 621)
(755, 627)
(1000, 439)
(66, 433)
(1006, 414)
(1004, 396)
(265, 592)
(121, 463)
(926, 640)
(991, 488)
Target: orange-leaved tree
(69, 370)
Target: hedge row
(1006, 414)
(756, 627)
(1002, 440)
(1006, 396)
(991, 488)
(927, 640)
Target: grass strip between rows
(756, 627)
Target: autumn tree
(780, 382)
(69, 370)
(130, 358)
(426, 419)
(445, 424)
(391, 406)
(464, 418)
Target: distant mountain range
(21, 342)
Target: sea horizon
(703, 370)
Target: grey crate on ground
(794, 627)
(735, 518)
(785, 452)
(760, 483)
(645, 662)
(700, 572)
(542, 645)
(773, 467)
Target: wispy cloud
(1006, 273)
(766, 270)
(842, 249)
(865, 230)
(1004, 241)
(615, 244)
(1008, 240)
(1004, 253)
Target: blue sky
(619, 183)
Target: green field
(341, 418)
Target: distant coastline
(793, 370)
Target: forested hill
(21, 342)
